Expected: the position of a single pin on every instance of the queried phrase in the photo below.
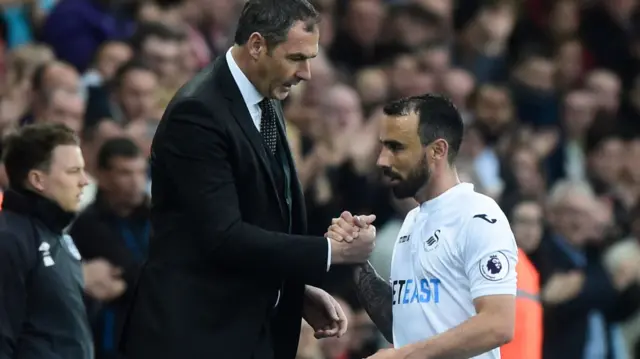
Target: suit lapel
(241, 114)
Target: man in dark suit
(229, 273)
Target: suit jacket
(220, 249)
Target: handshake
(352, 238)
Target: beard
(408, 187)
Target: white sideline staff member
(453, 280)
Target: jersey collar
(445, 198)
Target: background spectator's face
(65, 108)
(61, 77)
(435, 60)
(343, 110)
(493, 106)
(606, 161)
(112, 57)
(569, 62)
(364, 21)
(64, 179)
(125, 180)
(372, 85)
(606, 88)
(579, 113)
(572, 216)
(137, 94)
(564, 18)
(537, 73)
(527, 225)
(526, 169)
(458, 84)
(164, 56)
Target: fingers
(342, 322)
(347, 216)
(339, 234)
(364, 221)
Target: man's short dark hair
(119, 147)
(150, 29)
(32, 147)
(135, 64)
(273, 19)
(439, 118)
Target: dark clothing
(100, 233)
(75, 29)
(41, 310)
(227, 218)
(567, 325)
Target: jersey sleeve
(490, 254)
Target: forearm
(475, 336)
(375, 295)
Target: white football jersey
(450, 250)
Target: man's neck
(243, 62)
(437, 185)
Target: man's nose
(304, 72)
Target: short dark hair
(116, 147)
(149, 29)
(32, 147)
(273, 19)
(439, 118)
(135, 64)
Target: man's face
(287, 63)
(112, 57)
(63, 77)
(64, 180)
(137, 94)
(527, 225)
(125, 180)
(66, 109)
(402, 158)
(164, 56)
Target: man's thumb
(367, 220)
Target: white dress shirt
(252, 99)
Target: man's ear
(440, 149)
(256, 45)
(36, 179)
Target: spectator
(115, 227)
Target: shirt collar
(249, 92)
(435, 203)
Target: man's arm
(13, 294)
(489, 329)
(192, 151)
(375, 295)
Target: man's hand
(102, 281)
(323, 313)
(353, 238)
(562, 287)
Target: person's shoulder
(479, 205)
(15, 236)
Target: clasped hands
(353, 238)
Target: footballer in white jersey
(452, 289)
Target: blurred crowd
(549, 91)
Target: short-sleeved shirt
(450, 250)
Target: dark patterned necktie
(268, 125)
